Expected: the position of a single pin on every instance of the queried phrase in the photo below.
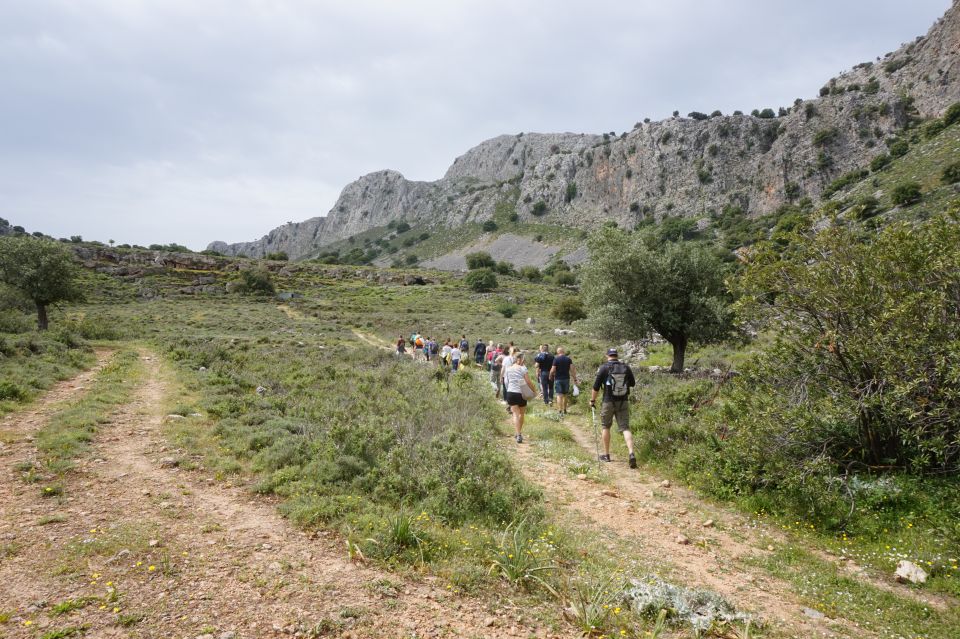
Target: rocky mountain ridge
(691, 166)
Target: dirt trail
(188, 555)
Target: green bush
(825, 137)
(880, 162)
(905, 194)
(564, 278)
(280, 256)
(568, 310)
(481, 280)
(951, 173)
(506, 308)
(540, 208)
(489, 226)
(480, 259)
(255, 282)
(571, 192)
(531, 273)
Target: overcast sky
(196, 120)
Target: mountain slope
(680, 166)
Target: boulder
(909, 572)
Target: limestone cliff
(680, 166)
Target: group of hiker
(556, 375)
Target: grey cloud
(185, 121)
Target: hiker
(479, 351)
(401, 346)
(455, 355)
(506, 361)
(616, 379)
(435, 349)
(495, 367)
(544, 361)
(560, 374)
(445, 353)
(515, 378)
(464, 345)
(417, 346)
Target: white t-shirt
(514, 378)
(445, 350)
(455, 353)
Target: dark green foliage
(489, 226)
(897, 63)
(504, 268)
(571, 192)
(278, 256)
(255, 282)
(952, 114)
(42, 270)
(825, 137)
(531, 273)
(676, 290)
(564, 278)
(568, 310)
(402, 226)
(696, 115)
(540, 208)
(172, 247)
(861, 331)
(872, 87)
(951, 174)
(675, 229)
(844, 181)
(899, 148)
(865, 208)
(880, 162)
(704, 176)
(905, 194)
(481, 280)
(791, 190)
(765, 114)
(506, 308)
(480, 259)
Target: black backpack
(617, 380)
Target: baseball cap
(612, 351)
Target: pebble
(813, 614)
(582, 477)
(610, 493)
(665, 483)
(489, 622)
(169, 462)
(682, 540)
(153, 543)
(228, 635)
(708, 523)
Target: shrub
(504, 268)
(402, 227)
(880, 162)
(571, 192)
(905, 194)
(489, 226)
(952, 114)
(480, 259)
(899, 148)
(506, 308)
(481, 280)
(825, 137)
(255, 282)
(531, 273)
(697, 115)
(540, 208)
(951, 174)
(568, 310)
(865, 208)
(280, 256)
(564, 278)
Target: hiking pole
(596, 436)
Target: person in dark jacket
(479, 351)
(616, 379)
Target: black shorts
(516, 399)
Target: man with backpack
(616, 379)
(560, 374)
(544, 362)
(479, 351)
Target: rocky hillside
(690, 166)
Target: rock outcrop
(691, 166)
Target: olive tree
(43, 270)
(632, 286)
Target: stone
(509, 330)
(489, 622)
(174, 417)
(169, 462)
(582, 477)
(682, 540)
(531, 321)
(261, 390)
(153, 543)
(909, 572)
(665, 483)
(610, 493)
(227, 635)
(708, 523)
(813, 614)
(563, 332)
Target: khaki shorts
(620, 410)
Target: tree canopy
(632, 286)
(41, 269)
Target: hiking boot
(633, 460)
(605, 458)
(519, 439)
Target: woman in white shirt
(514, 377)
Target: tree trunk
(679, 343)
(42, 322)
